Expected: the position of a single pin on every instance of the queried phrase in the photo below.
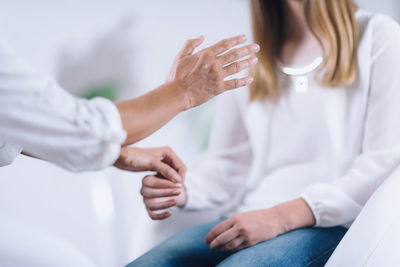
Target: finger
(166, 171)
(155, 203)
(224, 238)
(153, 193)
(190, 46)
(233, 244)
(156, 182)
(162, 205)
(150, 201)
(159, 216)
(240, 247)
(227, 44)
(236, 83)
(217, 230)
(238, 53)
(239, 66)
(173, 160)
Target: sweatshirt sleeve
(339, 203)
(226, 164)
(48, 122)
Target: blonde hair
(332, 22)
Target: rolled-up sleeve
(339, 203)
(48, 122)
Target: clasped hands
(162, 190)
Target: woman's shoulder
(381, 26)
(378, 33)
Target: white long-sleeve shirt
(331, 146)
(39, 117)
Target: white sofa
(374, 238)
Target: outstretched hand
(203, 74)
(193, 79)
(161, 160)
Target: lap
(375, 235)
(303, 247)
(183, 249)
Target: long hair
(333, 24)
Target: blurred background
(117, 49)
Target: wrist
(179, 93)
(280, 218)
(295, 214)
(285, 219)
(119, 162)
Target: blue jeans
(302, 247)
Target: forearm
(295, 214)
(144, 115)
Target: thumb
(191, 45)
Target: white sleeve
(222, 172)
(47, 122)
(340, 203)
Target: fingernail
(177, 178)
(251, 79)
(254, 60)
(177, 192)
(255, 48)
(178, 185)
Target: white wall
(101, 213)
(389, 7)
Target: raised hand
(193, 79)
(203, 74)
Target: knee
(303, 247)
(166, 254)
(180, 250)
(255, 257)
